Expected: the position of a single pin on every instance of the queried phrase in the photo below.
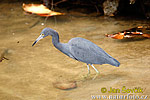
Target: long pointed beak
(39, 38)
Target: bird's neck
(63, 47)
(55, 39)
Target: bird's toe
(96, 76)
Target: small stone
(11, 9)
(42, 24)
(26, 23)
(65, 85)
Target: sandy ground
(30, 71)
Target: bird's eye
(42, 34)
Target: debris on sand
(2, 55)
(65, 85)
(136, 32)
(40, 10)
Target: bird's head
(45, 32)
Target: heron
(80, 49)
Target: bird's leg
(96, 71)
(95, 68)
(88, 69)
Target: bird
(80, 49)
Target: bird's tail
(115, 62)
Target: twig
(52, 7)
(60, 2)
(45, 19)
(34, 24)
(97, 10)
(2, 56)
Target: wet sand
(30, 71)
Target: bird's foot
(96, 75)
(87, 75)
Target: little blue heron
(80, 49)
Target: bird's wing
(88, 52)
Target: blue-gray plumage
(80, 49)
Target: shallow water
(30, 71)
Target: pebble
(65, 85)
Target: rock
(65, 85)
(110, 7)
